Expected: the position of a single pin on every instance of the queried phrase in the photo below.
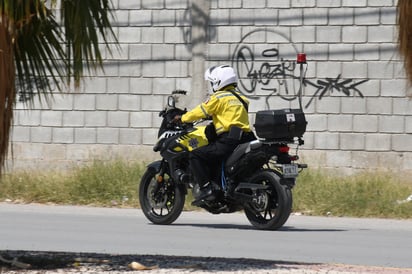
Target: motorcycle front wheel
(161, 202)
(271, 207)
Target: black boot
(205, 193)
(230, 189)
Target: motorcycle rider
(229, 112)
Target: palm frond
(84, 22)
(39, 53)
(35, 45)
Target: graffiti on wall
(270, 70)
(267, 70)
(346, 86)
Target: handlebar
(179, 124)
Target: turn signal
(294, 158)
(159, 179)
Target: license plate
(290, 171)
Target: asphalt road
(371, 242)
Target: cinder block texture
(354, 93)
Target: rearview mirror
(171, 101)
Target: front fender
(155, 166)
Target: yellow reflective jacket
(225, 109)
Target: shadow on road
(82, 262)
(250, 227)
(295, 229)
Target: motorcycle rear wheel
(272, 207)
(162, 203)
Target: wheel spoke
(167, 208)
(270, 213)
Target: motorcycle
(258, 177)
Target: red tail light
(284, 149)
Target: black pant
(206, 161)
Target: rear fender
(289, 182)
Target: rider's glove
(177, 119)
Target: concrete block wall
(355, 93)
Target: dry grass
(376, 194)
(116, 183)
(100, 184)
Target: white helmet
(221, 76)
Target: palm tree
(404, 22)
(36, 45)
